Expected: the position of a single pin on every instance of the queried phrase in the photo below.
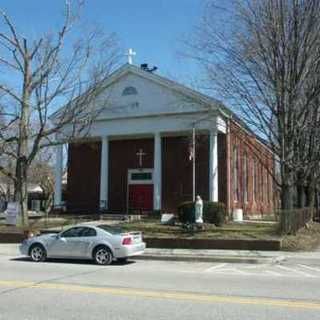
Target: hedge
(213, 212)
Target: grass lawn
(36, 224)
(153, 228)
(306, 239)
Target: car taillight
(127, 241)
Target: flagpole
(194, 164)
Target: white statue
(199, 209)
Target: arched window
(129, 91)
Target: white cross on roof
(130, 55)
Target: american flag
(191, 152)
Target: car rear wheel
(38, 253)
(102, 255)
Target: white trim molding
(104, 173)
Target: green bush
(155, 214)
(186, 211)
(213, 212)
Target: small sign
(12, 213)
(167, 219)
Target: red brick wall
(222, 169)
(84, 172)
(259, 198)
(83, 176)
(122, 156)
(177, 171)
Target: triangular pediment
(133, 92)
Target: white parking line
(217, 267)
(226, 268)
(309, 268)
(266, 270)
(273, 273)
(296, 271)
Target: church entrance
(140, 190)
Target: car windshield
(111, 229)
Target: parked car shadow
(73, 261)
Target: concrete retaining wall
(169, 243)
(13, 237)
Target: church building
(159, 144)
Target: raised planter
(227, 244)
(11, 237)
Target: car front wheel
(103, 255)
(38, 253)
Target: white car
(101, 243)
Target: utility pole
(193, 163)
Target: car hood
(45, 236)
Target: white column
(213, 165)
(58, 176)
(157, 172)
(104, 173)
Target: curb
(12, 250)
(221, 259)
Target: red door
(141, 197)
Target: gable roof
(207, 101)
(126, 69)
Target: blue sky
(153, 28)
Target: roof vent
(145, 67)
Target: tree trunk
(287, 188)
(23, 143)
(287, 197)
(310, 198)
(21, 191)
(301, 196)
(317, 205)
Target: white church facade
(137, 156)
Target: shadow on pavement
(73, 261)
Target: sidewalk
(222, 256)
(233, 256)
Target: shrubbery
(186, 211)
(213, 212)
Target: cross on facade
(140, 154)
(130, 55)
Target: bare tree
(41, 173)
(263, 59)
(40, 75)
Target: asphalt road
(157, 290)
